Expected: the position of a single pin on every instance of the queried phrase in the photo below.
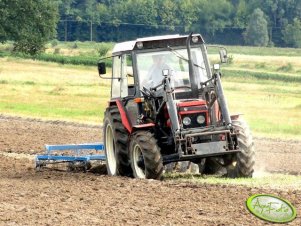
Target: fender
(124, 117)
(143, 126)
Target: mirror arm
(217, 46)
(221, 48)
(119, 78)
(104, 58)
(205, 83)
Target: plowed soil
(53, 197)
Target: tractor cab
(167, 105)
(143, 62)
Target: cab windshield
(152, 64)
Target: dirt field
(64, 198)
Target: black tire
(169, 168)
(145, 155)
(211, 166)
(116, 139)
(245, 159)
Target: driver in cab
(155, 72)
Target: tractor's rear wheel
(145, 155)
(243, 165)
(116, 139)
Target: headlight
(186, 121)
(195, 39)
(200, 119)
(139, 45)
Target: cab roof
(155, 41)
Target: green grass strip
(261, 75)
(74, 60)
(259, 51)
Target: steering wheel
(146, 92)
(182, 87)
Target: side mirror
(102, 68)
(223, 55)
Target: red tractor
(167, 105)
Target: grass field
(259, 180)
(267, 89)
(260, 51)
(271, 104)
(50, 90)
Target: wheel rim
(137, 155)
(110, 150)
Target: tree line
(246, 22)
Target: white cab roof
(129, 45)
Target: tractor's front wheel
(244, 160)
(145, 156)
(116, 140)
(211, 166)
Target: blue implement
(76, 153)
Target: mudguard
(125, 118)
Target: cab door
(123, 79)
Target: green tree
(212, 15)
(241, 13)
(127, 19)
(140, 12)
(292, 34)
(277, 11)
(257, 30)
(30, 25)
(187, 14)
(166, 11)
